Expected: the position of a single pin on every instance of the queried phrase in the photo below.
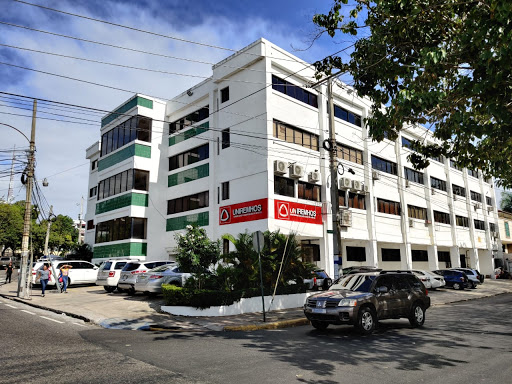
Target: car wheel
(320, 325)
(417, 317)
(473, 285)
(109, 289)
(366, 321)
(131, 291)
(457, 286)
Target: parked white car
(82, 272)
(132, 269)
(110, 272)
(429, 279)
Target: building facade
(245, 150)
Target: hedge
(203, 298)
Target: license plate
(319, 310)
(124, 277)
(142, 277)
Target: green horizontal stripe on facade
(125, 153)
(188, 175)
(182, 136)
(119, 250)
(177, 223)
(126, 107)
(139, 199)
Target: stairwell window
(225, 190)
(226, 138)
(224, 95)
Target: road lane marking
(24, 310)
(48, 318)
(11, 306)
(81, 325)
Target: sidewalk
(120, 311)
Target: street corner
(262, 326)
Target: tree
(11, 226)
(197, 253)
(445, 64)
(506, 201)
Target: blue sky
(61, 146)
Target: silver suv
(132, 269)
(362, 299)
(110, 272)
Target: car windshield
(359, 283)
(106, 266)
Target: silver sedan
(429, 279)
(151, 281)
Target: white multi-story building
(244, 151)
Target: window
(342, 198)
(479, 224)
(356, 254)
(419, 255)
(309, 191)
(224, 95)
(225, 190)
(120, 229)
(414, 176)
(507, 229)
(406, 143)
(136, 127)
(438, 184)
(345, 152)
(459, 191)
(488, 200)
(188, 203)
(187, 121)
(93, 191)
(343, 114)
(356, 201)
(443, 256)
(90, 224)
(417, 212)
(387, 206)
(441, 217)
(462, 221)
(123, 182)
(94, 165)
(294, 91)
(295, 135)
(226, 138)
(189, 157)
(311, 252)
(225, 246)
(454, 165)
(492, 227)
(284, 186)
(473, 173)
(390, 254)
(384, 165)
(437, 158)
(475, 196)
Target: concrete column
(455, 256)
(372, 255)
(474, 259)
(433, 262)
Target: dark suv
(362, 299)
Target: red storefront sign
(303, 213)
(239, 213)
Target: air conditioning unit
(407, 184)
(454, 197)
(489, 209)
(365, 189)
(345, 183)
(296, 171)
(357, 185)
(411, 223)
(495, 234)
(346, 218)
(280, 167)
(375, 175)
(478, 206)
(313, 177)
(433, 191)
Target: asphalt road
(462, 343)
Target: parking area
(120, 310)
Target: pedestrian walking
(64, 275)
(8, 273)
(44, 276)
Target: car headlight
(347, 303)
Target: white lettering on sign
(246, 210)
(303, 212)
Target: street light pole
(23, 282)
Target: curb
(273, 325)
(57, 311)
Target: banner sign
(303, 213)
(239, 213)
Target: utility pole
(333, 166)
(23, 281)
